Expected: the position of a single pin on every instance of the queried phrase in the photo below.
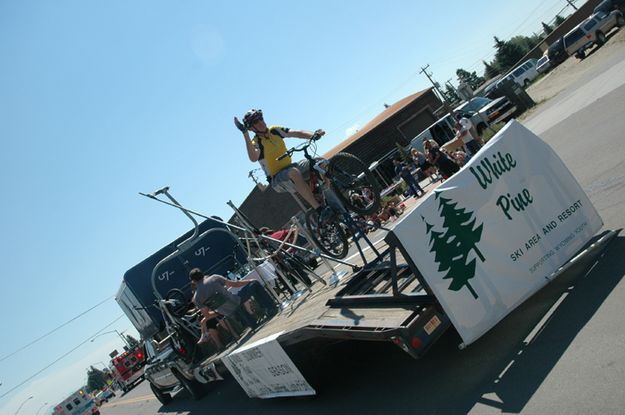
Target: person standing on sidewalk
(468, 134)
(403, 171)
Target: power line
(61, 357)
(472, 66)
(54, 330)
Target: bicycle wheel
(354, 184)
(329, 237)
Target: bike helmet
(251, 117)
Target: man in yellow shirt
(268, 145)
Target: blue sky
(102, 100)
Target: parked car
(471, 109)
(607, 6)
(104, 396)
(543, 65)
(525, 73)
(556, 52)
(591, 31)
(499, 110)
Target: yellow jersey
(271, 145)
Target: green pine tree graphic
(452, 248)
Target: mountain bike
(345, 184)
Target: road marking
(367, 248)
(149, 397)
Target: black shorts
(425, 166)
(212, 323)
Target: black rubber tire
(526, 83)
(194, 388)
(347, 174)
(187, 341)
(178, 295)
(331, 238)
(601, 39)
(620, 21)
(163, 398)
(580, 55)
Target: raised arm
(303, 134)
(253, 152)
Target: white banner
(491, 235)
(264, 370)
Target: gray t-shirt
(212, 293)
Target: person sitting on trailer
(209, 322)
(211, 292)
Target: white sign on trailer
(495, 232)
(264, 370)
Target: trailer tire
(193, 387)
(163, 398)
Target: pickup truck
(161, 358)
(592, 31)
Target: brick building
(398, 123)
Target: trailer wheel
(193, 387)
(163, 398)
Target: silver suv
(591, 31)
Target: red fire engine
(127, 368)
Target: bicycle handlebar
(302, 147)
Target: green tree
(526, 43)
(508, 53)
(442, 255)
(131, 340)
(546, 28)
(558, 20)
(452, 248)
(96, 379)
(490, 70)
(450, 94)
(470, 78)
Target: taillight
(588, 36)
(416, 342)
(139, 355)
(182, 350)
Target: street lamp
(113, 331)
(42, 406)
(22, 404)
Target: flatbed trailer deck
(369, 305)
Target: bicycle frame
(318, 184)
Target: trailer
(471, 252)
(466, 256)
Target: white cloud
(351, 130)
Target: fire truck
(127, 368)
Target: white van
(525, 73)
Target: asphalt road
(562, 351)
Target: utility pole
(570, 2)
(436, 86)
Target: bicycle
(345, 184)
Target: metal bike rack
(370, 286)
